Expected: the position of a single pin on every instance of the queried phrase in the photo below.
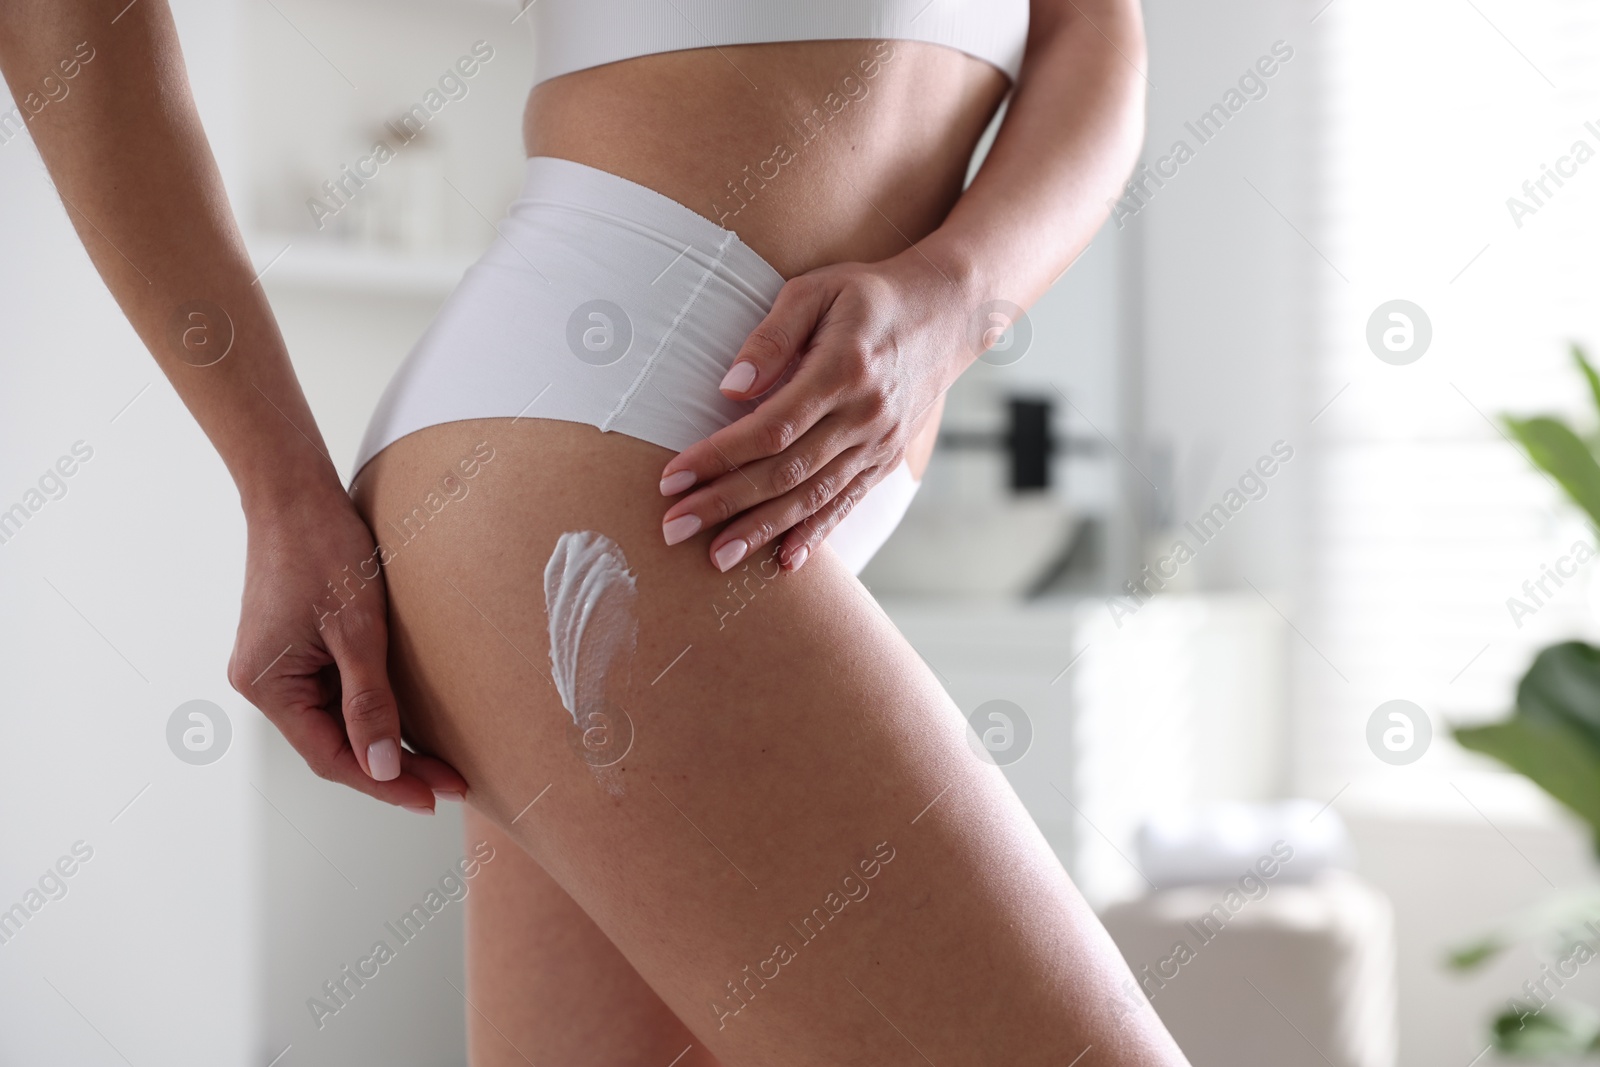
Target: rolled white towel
(1215, 843)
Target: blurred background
(1308, 347)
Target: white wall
(1226, 332)
(120, 604)
(1228, 335)
(1453, 876)
(211, 907)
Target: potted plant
(1553, 738)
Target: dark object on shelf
(1027, 438)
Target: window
(1425, 519)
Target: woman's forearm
(879, 340)
(125, 148)
(1070, 137)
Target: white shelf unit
(319, 84)
(300, 264)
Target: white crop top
(571, 35)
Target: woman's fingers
(761, 482)
(359, 645)
(769, 431)
(319, 737)
(358, 640)
(806, 515)
(303, 688)
(805, 536)
(439, 776)
(776, 341)
(769, 350)
(321, 676)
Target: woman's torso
(813, 152)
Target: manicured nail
(730, 553)
(445, 794)
(417, 809)
(680, 529)
(798, 556)
(741, 376)
(676, 482)
(383, 759)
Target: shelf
(302, 263)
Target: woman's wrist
(279, 491)
(959, 285)
(948, 259)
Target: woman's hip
(608, 305)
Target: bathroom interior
(1365, 547)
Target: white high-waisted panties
(604, 302)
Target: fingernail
(444, 794)
(680, 529)
(676, 482)
(417, 809)
(798, 556)
(383, 759)
(730, 553)
(741, 376)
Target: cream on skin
(588, 595)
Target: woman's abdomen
(813, 152)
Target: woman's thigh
(544, 985)
(545, 982)
(796, 849)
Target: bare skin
(548, 981)
(794, 760)
(688, 123)
(546, 984)
(790, 743)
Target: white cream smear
(589, 595)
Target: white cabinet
(1183, 702)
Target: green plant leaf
(1563, 686)
(1553, 925)
(1593, 378)
(1557, 757)
(1553, 447)
(1475, 953)
(1546, 1033)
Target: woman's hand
(312, 648)
(874, 346)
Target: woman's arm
(883, 341)
(108, 104)
(1071, 136)
(136, 176)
